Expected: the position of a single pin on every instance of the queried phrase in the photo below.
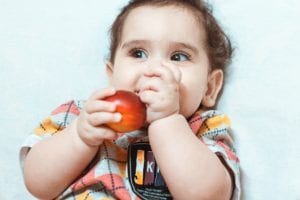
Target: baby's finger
(98, 105)
(100, 118)
(175, 71)
(101, 94)
(103, 133)
(96, 135)
(153, 84)
(148, 97)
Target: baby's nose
(174, 69)
(158, 62)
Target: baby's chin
(187, 115)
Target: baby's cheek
(189, 104)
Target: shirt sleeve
(59, 119)
(213, 129)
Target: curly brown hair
(218, 45)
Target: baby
(173, 55)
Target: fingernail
(118, 117)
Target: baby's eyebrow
(172, 44)
(185, 45)
(134, 43)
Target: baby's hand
(95, 114)
(159, 90)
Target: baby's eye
(138, 53)
(179, 57)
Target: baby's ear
(214, 86)
(109, 70)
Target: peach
(132, 109)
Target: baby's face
(163, 37)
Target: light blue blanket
(53, 51)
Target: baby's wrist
(168, 119)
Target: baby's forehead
(148, 22)
(193, 12)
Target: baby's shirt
(126, 168)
